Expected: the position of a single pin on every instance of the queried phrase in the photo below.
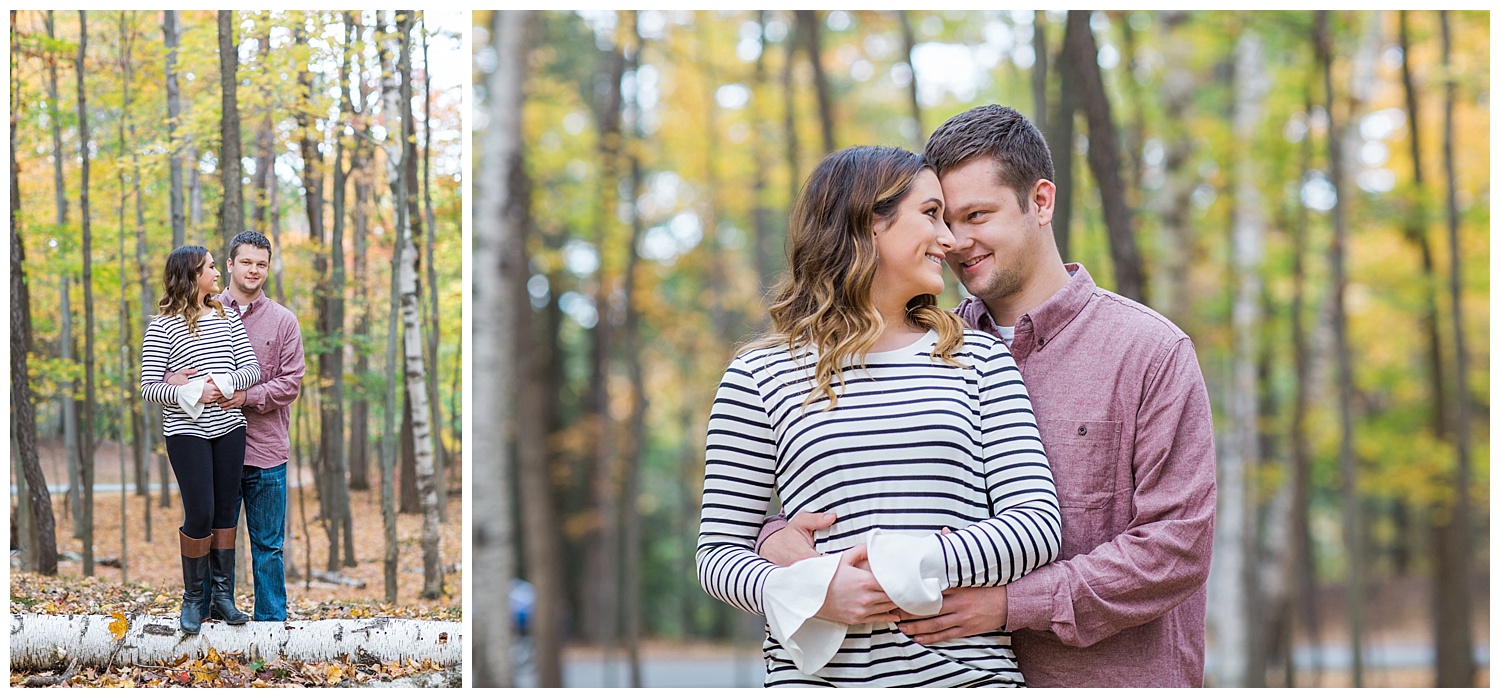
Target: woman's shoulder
(983, 345)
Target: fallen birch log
(40, 642)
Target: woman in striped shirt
(867, 400)
(203, 347)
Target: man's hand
(210, 393)
(794, 543)
(237, 401)
(179, 378)
(967, 611)
(854, 596)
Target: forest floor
(154, 574)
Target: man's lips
(969, 263)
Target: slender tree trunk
(87, 432)
(415, 370)
(174, 114)
(439, 454)
(909, 45)
(1104, 156)
(359, 410)
(810, 28)
(41, 544)
(1347, 466)
(789, 113)
(65, 345)
(500, 211)
(1038, 72)
(1303, 569)
(1234, 529)
(760, 216)
(1060, 141)
(1455, 645)
(195, 195)
(265, 146)
(331, 366)
(388, 440)
(232, 208)
(1173, 200)
(140, 424)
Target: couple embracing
(1018, 492)
(225, 367)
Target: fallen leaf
(119, 626)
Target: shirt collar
(1040, 324)
(227, 299)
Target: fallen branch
(41, 681)
(39, 642)
(338, 579)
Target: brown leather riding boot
(221, 557)
(195, 566)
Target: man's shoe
(195, 570)
(221, 557)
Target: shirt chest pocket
(1083, 455)
(270, 367)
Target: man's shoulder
(282, 315)
(1144, 323)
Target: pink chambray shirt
(277, 341)
(1124, 417)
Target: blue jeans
(264, 493)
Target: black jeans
(208, 475)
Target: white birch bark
(494, 383)
(1230, 609)
(39, 642)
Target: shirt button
(1041, 341)
(1082, 430)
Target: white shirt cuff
(792, 596)
(225, 383)
(910, 569)
(187, 398)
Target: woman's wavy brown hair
(181, 279)
(823, 300)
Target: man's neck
(1048, 280)
(241, 297)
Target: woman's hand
(181, 377)
(210, 393)
(854, 597)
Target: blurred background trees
(1305, 194)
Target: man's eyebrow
(967, 206)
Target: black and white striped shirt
(220, 347)
(913, 445)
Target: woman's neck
(899, 330)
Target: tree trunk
(410, 501)
(415, 369)
(40, 642)
(1347, 466)
(87, 432)
(331, 363)
(388, 441)
(499, 211)
(195, 196)
(1303, 569)
(174, 114)
(359, 410)
(1455, 644)
(1235, 528)
(140, 425)
(65, 344)
(265, 145)
(439, 454)
(766, 259)
(909, 46)
(1060, 142)
(232, 208)
(789, 113)
(1104, 156)
(809, 27)
(1038, 72)
(41, 544)
(1173, 201)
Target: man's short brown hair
(996, 132)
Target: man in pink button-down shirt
(1125, 420)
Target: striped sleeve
(247, 369)
(156, 346)
(738, 479)
(1025, 530)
